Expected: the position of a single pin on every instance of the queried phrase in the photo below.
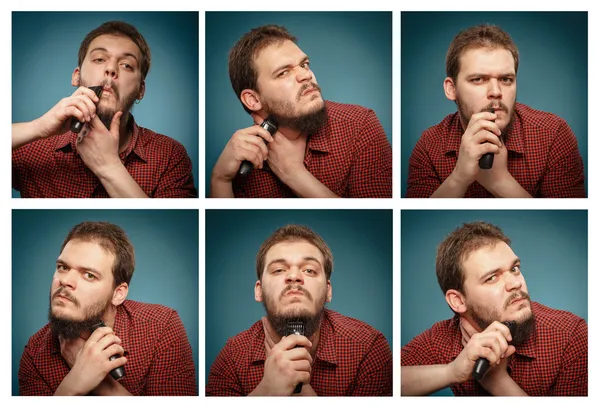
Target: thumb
(115, 124)
(511, 350)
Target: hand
(491, 344)
(245, 144)
(92, 363)
(285, 366)
(489, 178)
(100, 148)
(473, 146)
(81, 105)
(70, 349)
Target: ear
(119, 294)
(329, 291)
(142, 90)
(450, 89)
(456, 301)
(258, 291)
(251, 100)
(76, 77)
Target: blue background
(166, 271)
(361, 243)
(350, 54)
(44, 55)
(551, 244)
(552, 76)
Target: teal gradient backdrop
(552, 76)
(350, 54)
(44, 55)
(552, 246)
(166, 271)
(361, 243)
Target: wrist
(459, 181)
(109, 170)
(292, 176)
(449, 375)
(67, 388)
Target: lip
(63, 298)
(517, 300)
(294, 292)
(309, 91)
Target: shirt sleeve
(573, 377)
(222, 379)
(375, 376)
(564, 176)
(30, 381)
(177, 181)
(423, 180)
(418, 351)
(172, 372)
(371, 172)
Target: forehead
(277, 54)
(487, 258)
(117, 44)
(87, 254)
(485, 60)
(292, 251)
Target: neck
(291, 134)
(125, 131)
(314, 339)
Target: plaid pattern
(352, 358)
(350, 155)
(542, 156)
(51, 167)
(553, 362)
(159, 355)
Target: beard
(279, 321)
(484, 316)
(284, 113)
(124, 104)
(69, 328)
(466, 114)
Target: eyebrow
(284, 261)
(475, 75)
(490, 273)
(126, 54)
(281, 67)
(93, 270)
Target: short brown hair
(294, 233)
(122, 29)
(481, 36)
(111, 238)
(242, 71)
(457, 246)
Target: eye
(492, 279)
(310, 271)
(476, 80)
(99, 60)
(516, 269)
(507, 80)
(277, 271)
(283, 73)
(127, 67)
(61, 267)
(305, 64)
(89, 276)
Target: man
(71, 356)
(534, 153)
(480, 275)
(115, 157)
(322, 148)
(336, 355)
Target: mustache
(292, 287)
(307, 86)
(515, 295)
(491, 105)
(61, 291)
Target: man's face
(287, 88)
(82, 287)
(487, 79)
(294, 284)
(495, 289)
(115, 62)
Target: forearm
(452, 187)
(509, 187)
(424, 379)
(110, 387)
(304, 184)
(118, 182)
(220, 188)
(24, 133)
(504, 386)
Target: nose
(111, 69)
(303, 74)
(513, 283)
(294, 275)
(68, 279)
(494, 90)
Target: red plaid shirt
(352, 358)
(553, 362)
(159, 355)
(350, 155)
(542, 156)
(51, 167)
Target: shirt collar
(326, 350)
(67, 142)
(515, 141)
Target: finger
(86, 91)
(466, 326)
(486, 148)
(487, 353)
(89, 104)
(108, 340)
(298, 354)
(511, 350)
(114, 349)
(82, 106)
(484, 136)
(251, 153)
(115, 363)
(259, 131)
(115, 124)
(479, 116)
(73, 111)
(302, 376)
(98, 334)
(500, 327)
(292, 341)
(302, 365)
